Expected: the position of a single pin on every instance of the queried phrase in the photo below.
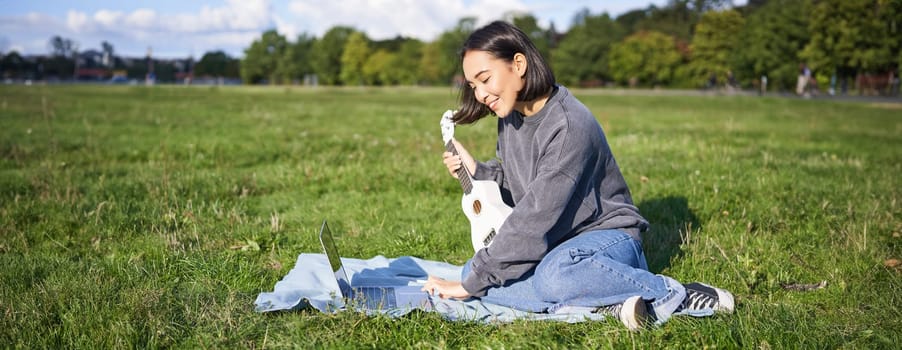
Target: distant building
(94, 66)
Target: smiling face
(495, 82)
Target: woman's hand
(453, 162)
(445, 289)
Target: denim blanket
(311, 283)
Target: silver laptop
(372, 297)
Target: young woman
(572, 242)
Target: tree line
(67, 62)
(685, 44)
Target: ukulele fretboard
(462, 174)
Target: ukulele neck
(466, 183)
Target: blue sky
(192, 27)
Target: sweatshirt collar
(557, 94)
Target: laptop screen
(331, 251)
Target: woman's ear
(520, 64)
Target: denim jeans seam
(663, 300)
(672, 294)
(622, 276)
(617, 241)
(603, 248)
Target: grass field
(152, 217)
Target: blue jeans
(593, 269)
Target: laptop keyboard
(376, 297)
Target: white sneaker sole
(634, 313)
(725, 301)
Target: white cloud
(78, 21)
(141, 19)
(287, 28)
(30, 33)
(231, 25)
(36, 18)
(238, 15)
(383, 19)
(231, 39)
(108, 18)
(235, 15)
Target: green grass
(152, 217)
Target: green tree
(164, 71)
(325, 59)
(448, 45)
(582, 55)
(294, 64)
(702, 6)
(404, 54)
(109, 53)
(378, 68)
(428, 70)
(713, 44)
(407, 62)
(64, 47)
(137, 70)
(860, 35)
(353, 58)
(771, 41)
(631, 21)
(261, 58)
(649, 57)
(13, 66)
(529, 25)
(216, 64)
(62, 61)
(676, 19)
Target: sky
(190, 28)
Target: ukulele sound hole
(477, 207)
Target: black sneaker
(700, 296)
(632, 312)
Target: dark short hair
(503, 40)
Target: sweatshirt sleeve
(490, 170)
(538, 221)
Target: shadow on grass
(670, 219)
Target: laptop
(371, 297)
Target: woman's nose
(480, 94)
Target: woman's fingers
(464, 156)
(452, 162)
(445, 289)
(430, 285)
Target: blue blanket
(311, 284)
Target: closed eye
(483, 81)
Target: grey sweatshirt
(557, 171)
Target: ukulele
(481, 202)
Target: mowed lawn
(153, 216)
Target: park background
(846, 45)
(151, 216)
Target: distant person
(731, 81)
(804, 78)
(893, 83)
(832, 89)
(712, 81)
(572, 241)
